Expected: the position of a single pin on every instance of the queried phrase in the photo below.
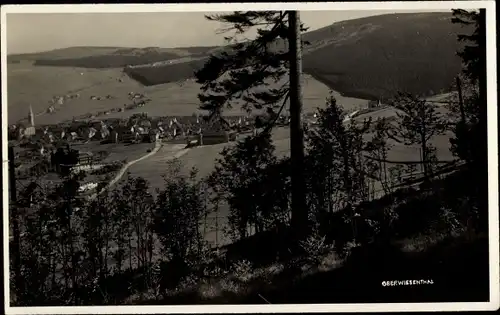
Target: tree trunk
(461, 101)
(130, 252)
(482, 75)
(73, 263)
(481, 160)
(424, 159)
(462, 125)
(16, 244)
(299, 210)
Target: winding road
(123, 170)
(125, 167)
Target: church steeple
(31, 117)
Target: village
(101, 147)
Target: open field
(116, 151)
(37, 85)
(204, 157)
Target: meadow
(37, 85)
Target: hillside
(63, 53)
(367, 58)
(376, 56)
(106, 57)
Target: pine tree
(336, 149)
(246, 71)
(473, 56)
(419, 123)
(471, 141)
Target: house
(113, 136)
(216, 131)
(154, 135)
(85, 158)
(127, 135)
(374, 104)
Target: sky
(36, 32)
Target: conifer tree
(473, 57)
(246, 71)
(471, 139)
(419, 122)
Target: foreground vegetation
(84, 252)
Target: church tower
(30, 131)
(31, 117)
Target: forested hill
(368, 58)
(375, 56)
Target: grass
(116, 151)
(456, 264)
(36, 86)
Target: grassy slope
(37, 85)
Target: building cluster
(58, 160)
(40, 141)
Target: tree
(378, 149)
(238, 71)
(97, 235)
(464, 110)
(37, 246)
(419, 122)
(178, 214)
(67, 195)
(239, 179)
(473, 53)
(337, 148)
(473, 137)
